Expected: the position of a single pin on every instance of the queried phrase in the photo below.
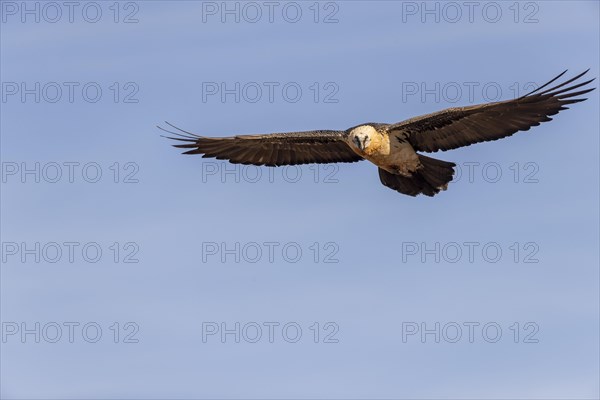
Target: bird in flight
(394, 148)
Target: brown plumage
(275, 149)
(393, 147)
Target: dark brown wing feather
(458, 127)
(275, 149)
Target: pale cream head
(362, 136)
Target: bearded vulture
(393, 147)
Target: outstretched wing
(458, 127)
(275, 149)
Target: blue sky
(326, 250)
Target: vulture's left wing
(458, 127)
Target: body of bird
(394, 147)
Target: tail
(429, 180)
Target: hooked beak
(359, 144)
